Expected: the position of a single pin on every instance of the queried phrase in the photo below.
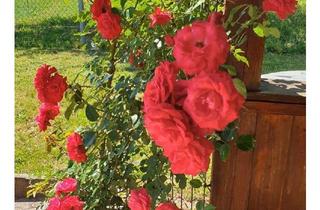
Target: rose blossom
(180, 92)
(66, 186)
(139, 199)
(108, 25)
(99, 7)
(159, 17)
(203, 46)
(159, 89)
(167, 206)
(50, 85)
(71, 203)
(191, 160)
(54, 204)
(283, 8)
(47, 112)
(169, 40)
(168, 127)
(75, 148)
(213, 101)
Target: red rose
(191, 160)
(50, 85)
(66, 186)
(283, 8)
(160, 88)
(75, 148)
(203, 46)
(168, 127)
(71, 203)
(108, 25)
(167, 206)
(47, 112)
(99, 7)
(213, 101)
(169, 40)
(54, 204)
(139, 199)
(180, 92)
(159, 17)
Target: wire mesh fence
(46, 24)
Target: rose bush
(158, 99)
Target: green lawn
(283, 62)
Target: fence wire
(46, 24)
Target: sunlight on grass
(30, 147)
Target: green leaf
(122, 3)
(181, 179)
(229, 133)
(91, 113)
(231, 69)
(69, 110)
(259, 30)
(252, 12)
(224, 151)
(200, 205)
(189, 11)
(195, 183)
(209, 207)
(237, 54)
(240, 86)
(273, 32)
(245, 142)
(89, 138)
(232, 14)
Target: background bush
(293, 33)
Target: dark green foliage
(293, 34)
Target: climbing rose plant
(159, 99)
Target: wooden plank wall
(272, 177)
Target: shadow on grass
(55, 34)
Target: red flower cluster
(159, 17)
(50, 86)
(75, 148)
(67, 201)
(108, 23)
(68, 185)
(180, 113)
(140, 200)
(283, 8)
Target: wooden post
(82, 24)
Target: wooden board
(273, 175)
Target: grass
(31, 156)
(283, 62)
